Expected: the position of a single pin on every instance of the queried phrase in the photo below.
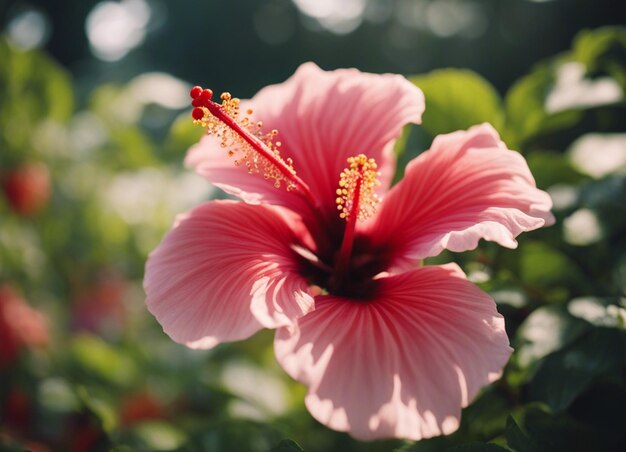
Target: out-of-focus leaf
(608, 193)
(564, 375)
(98, 358)
(517, 439)
(477, 447)
(113, 106)
(287, 445)
(603, 51)
(546, 330)
(548, 270)
(524, 104)
(55, 394)
(229, 434)
(159, 435)
(598, 311)
(182, 135)
(99, 406)
(619, 275)
(534, 430)
(598, 154)
(551, 168)
(436, 444)
(607, 197)
(36, 82)
(8, 444)
(457, 99)
(130, 148)
(33, 89)
(485, 417)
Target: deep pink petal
(322, 118)
(468, 186)
(226, 270)
(402, 365)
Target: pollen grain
(356, 195)
(243, 138)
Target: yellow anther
(242, 137)
(358, 184)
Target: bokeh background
(94, 125)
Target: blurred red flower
(27, 188)
(20, 326)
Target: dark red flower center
(344, 263)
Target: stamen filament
(356, 201)
(205, 107)
(345, 252)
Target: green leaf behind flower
(457, 99)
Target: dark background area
(243, 45)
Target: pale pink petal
(403, 364)
(322, 118)
(226, 270)
(211, 161)
(468, 186)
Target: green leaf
(182, 134)
(435, 444)
(99, 405)
(603, 51)
(485, 417)
(287, 445)
(33, 89)
(550, 168)
(549, 271)
(607, 198)
(524, 104)
(457, 99)
(238, 435)
(8, 444)
(159, 435)
(477, 447)
(517, 439)
(130, 147)
(604, 312)
(598, 353)
(98, 358)
(546, 330)
(55, 394)
(533, 430)
(34, 82)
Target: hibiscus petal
(226, 270)
(468, 186)
(401, 365)
(322, 118)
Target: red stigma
(201, 98)
(197, 113)
(195, 92)
(206, 95)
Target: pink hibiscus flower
(323, 250)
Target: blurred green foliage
(109, 379)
